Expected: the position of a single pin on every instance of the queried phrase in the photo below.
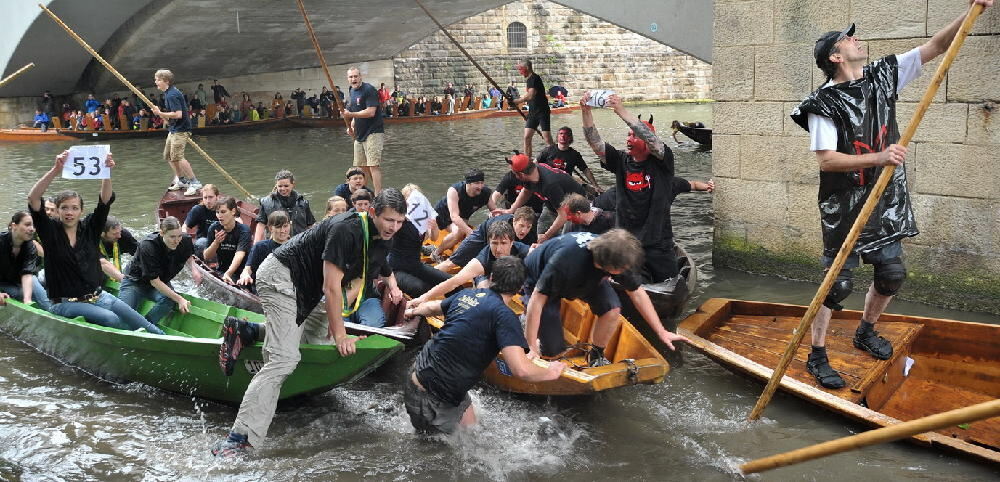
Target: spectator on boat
(322, 261)
(73, 270)
(201, 217)
(436, 106)
(284, 198)
(179, 128)
(361, 200)
(421, 107)
(67, 114)
(159, 258)
(92, 104)
(383, 93)
(230, 240)
(547, 183)
(495, 94)
(366, 127)
(21, 261)
(279, 227)
(47, 104)
(42, 120)
(538, 106)
(478, 325)
(254, 114)
(278, 106)
(300, 100)
(219, 93)
(486, 103)
(645, 187)
(577, 266)
(560, 99)
(581, 216)
(335, 205)
(459, 203)
(468, 92)
(115, 241)
(77, 120)
(522, 221)
(354, 179)
(565, 158)
(512, 93)
(289, 108)
(449, 90)
(200, 98)
(128, 110)
(414, 276)
(450, 100)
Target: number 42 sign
(87, 162)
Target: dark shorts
(879, 256)
(550, 330)
(428, 413)
(538, 120)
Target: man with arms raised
(852, 127)
(319, 262)
(367, 129)
(478, 325)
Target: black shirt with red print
(645, 191)
(569, 160)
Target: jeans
(106, 311)
(133, 294)
(37, 293)
(369, 314)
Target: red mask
(636, 181)
(637, 147)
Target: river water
(59, 423)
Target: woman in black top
(19, 261)
(72, 262)
(158, 259)
(412, 275)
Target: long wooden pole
(885, 434)
(138, 94)
(866, 211)
(16, 73)
(322, 60)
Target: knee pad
(840, 290)
(889, 277)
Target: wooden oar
(885, 434)
(862, 219)
(16, 73)
(139, 94)
(322, 60)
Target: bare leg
(468, 418)
(528, 135)
(548, 137)
(185, 168)
(604, 328)
(820, 324)
(875, 304)
(375, 174)
(174, 167)
(449, 241)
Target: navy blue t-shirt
(200, 218)
(364, 97)
(486, 258)
(344, 191)
(564, 267)
(477, 325)
(259, 252)
(174, 101)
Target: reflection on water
(59, 423)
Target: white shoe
(177, 185)
(192, 190)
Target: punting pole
(866, 211)
(322, 60)
(139, 94)
(16, 73)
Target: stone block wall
(567, 48)
(767, 179)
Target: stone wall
(567, 48)
(766, 177)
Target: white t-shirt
(822, 131)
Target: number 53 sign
(87, 162)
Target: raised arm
(106, 191)
(641, 130)
(35, 195)
(939, 43)
(590, 130)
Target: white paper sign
(419, 211)
(87, 162)
(598, 98)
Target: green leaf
(964, 426)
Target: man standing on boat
(538, 106)
(852, 127)
(478, 325)
(367, 129)
(319, 262)
(179, 131)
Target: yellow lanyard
(116, 256)
(348, 311)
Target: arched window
(517, 36)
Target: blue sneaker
(235, 445)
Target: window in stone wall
(517, 36)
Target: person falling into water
(852, 127)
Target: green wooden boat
(186, 360)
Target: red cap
(519, 163)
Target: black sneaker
(235, 445)
(595, 358)
(826, 376)
(869, 341)
(232, 344)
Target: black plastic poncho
(864, 112)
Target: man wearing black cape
(851, 121)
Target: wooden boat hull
(937, 365)
(554, 111)
(701, 135)
(185, 361)
(634, 360)
(669, 298)
(31, 134)
(162, 133)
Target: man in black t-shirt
(563, 157)
(538, 106)
(478, 325)
(509, 188)
(325, 260)
(577, 266)
(549, 185)
(581, 216)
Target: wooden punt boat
(104, 135)
(186, 360)
(554, 111)
(669, 297)
(701, 135)
(338, 122)
(175, 203)
(937, 365)
(32, 134)
(634, 360)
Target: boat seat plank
(909, 404)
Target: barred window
(517, 36)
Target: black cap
(825, 45)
